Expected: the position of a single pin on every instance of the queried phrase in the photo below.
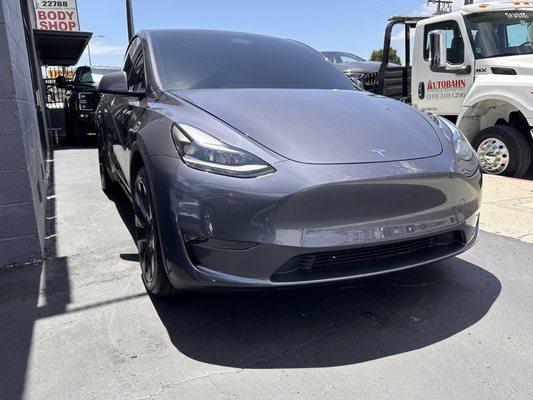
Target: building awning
(62, 48)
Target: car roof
(212, 32)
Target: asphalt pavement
(80, 325)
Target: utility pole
(443, 6)
(129, 19)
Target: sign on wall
(60, 15)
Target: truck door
(442, 93)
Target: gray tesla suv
(252, 162)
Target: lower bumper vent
(366, 260)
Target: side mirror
(437, 51)
(61, 82)
(438, 56)
(117, 83)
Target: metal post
(89, 53)
(129, 18)
(407, 46)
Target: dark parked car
(252, 162)
(355, 67)
(81, 100)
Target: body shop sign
(61, 15)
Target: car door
(127, 110)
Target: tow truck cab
(475, 67)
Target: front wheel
(502, 150)
(154, 276)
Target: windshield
(341, 58)
(94, 75)
(212, 60)
(498, 34)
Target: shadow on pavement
(330, 326)
(125, 210)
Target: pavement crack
(291, 347)
(167, 386)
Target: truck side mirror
(437, 51)
(61, 82)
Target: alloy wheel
(493, 155)
(144, 227)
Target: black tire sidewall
(69, 133)
(105, 179)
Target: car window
(134, 66)
(454, 41)
(136, 78)
(348, 58)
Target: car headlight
(462, 147)
(202, 151)
(83, 95)
(467, 158)
(357, 83)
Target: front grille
(369, 80)
(364, 260)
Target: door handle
(421, 90)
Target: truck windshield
(94, 75)
(499, 34)
(195, 59)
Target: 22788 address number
(54, 3)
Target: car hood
(362, 66)
(322, 126)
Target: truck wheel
(502, 150)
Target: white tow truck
(475, 67)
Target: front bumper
(226, 232)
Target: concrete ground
(82, 327)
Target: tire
(70, 135)
(80, 137)
(106, 182)
(153, 274)
(503, 150)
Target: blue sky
(356, 26)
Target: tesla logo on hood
(381, 152)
